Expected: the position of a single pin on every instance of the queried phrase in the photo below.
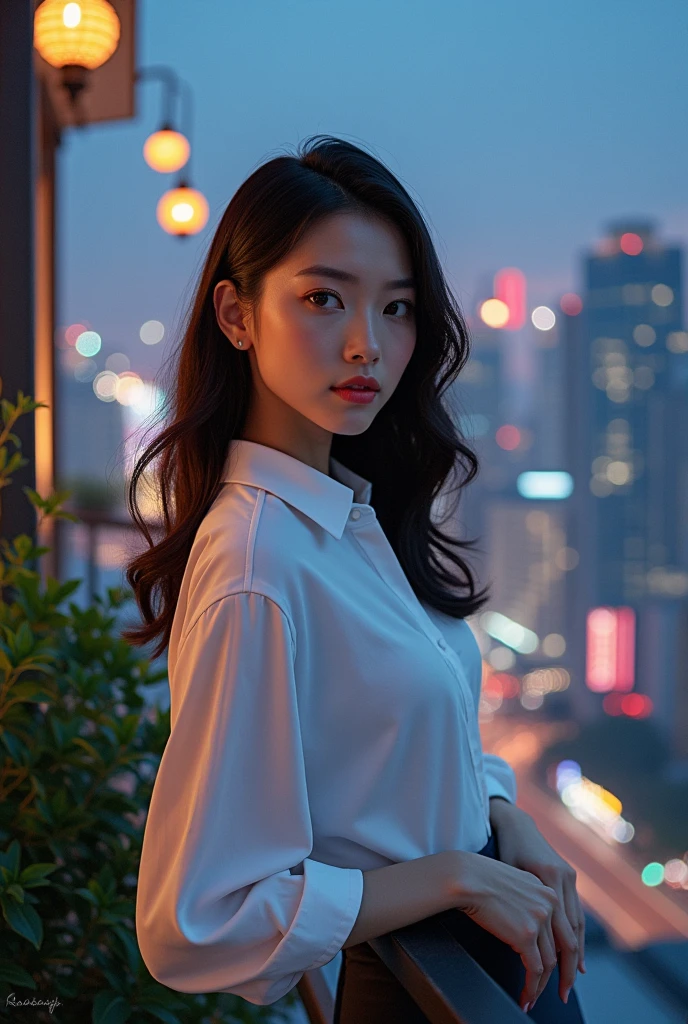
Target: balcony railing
(443, 979)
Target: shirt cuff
(330, 894)
(500, 778)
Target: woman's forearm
(502, 811)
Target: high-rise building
(626, 438)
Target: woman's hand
(513, 905)
(523, 846)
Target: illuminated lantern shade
(77, 37)
(166, 150)
(182, 211)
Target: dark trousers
(368, 992)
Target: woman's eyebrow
(321, 270)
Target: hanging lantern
(182, 210)
(166, 150)
(77, 37)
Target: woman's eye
(403, 302)
(316, 295)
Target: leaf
(130, 946)
(13, 974)
(17, 750)
(24, 920)
(30, 691)
(15, 891)
(88, 895)
(10, 858)
(158, 1011)
(110, 1008)
(35, 875)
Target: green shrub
(79, 749)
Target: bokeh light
(653, 873)
(677, 341)
(85, 370)
(644, 335)
(151, 332)
(508, 437)
(117, 362)
(543, 318)
(73, 331)
(662, 295)
(166, 151)
(130, 388)
(105, 386)
(494, 313)
(571, 304)
(631, 244)
(182, 211)
(88, 343)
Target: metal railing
(444, 981)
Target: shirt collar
(325, 500)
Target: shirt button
(441, 643)
(356, 514)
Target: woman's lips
(360, 396)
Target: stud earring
(240, 343)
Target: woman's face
(318, 327)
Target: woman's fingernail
(526, 1008)
(566, 995)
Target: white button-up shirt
(323, 722)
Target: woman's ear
(229, 314)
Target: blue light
(550, 484)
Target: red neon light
(510, 287)
(610, 649)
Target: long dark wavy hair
(411, 447)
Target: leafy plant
(79, 749)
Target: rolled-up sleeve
(229, 899)
(500, 777)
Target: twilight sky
(520, 128)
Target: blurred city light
(85, 370)
(151, 332)
(592, 804)
(662, 295)
(510, 288)
(73, 331)
(610, 649)
(644, 335)
(653, 873)
(631, 244)
(571, 304)
(543, 318)
(130, 389)
(549, 484)
(677, 341)
(105, 386)
(88, 343)
(494, 313)
(508, 437)
(117, 362)
(166, 150)
(509, 633)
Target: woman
(323, 782)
